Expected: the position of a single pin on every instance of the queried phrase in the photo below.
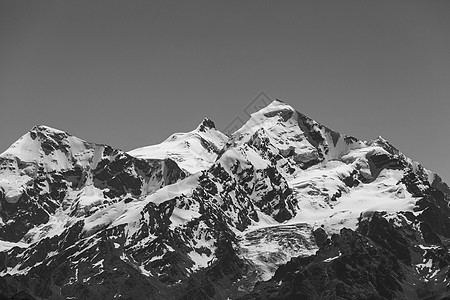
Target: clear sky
(130, 73)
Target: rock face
(284, 208)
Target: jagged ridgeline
(283, 208)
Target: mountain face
(284, 208)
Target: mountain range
(283, 208)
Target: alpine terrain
(283, 208)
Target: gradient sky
(130, 73)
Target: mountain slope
(284, 208)
(48, 176)
(192, 151)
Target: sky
(130, 73)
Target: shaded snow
(383, 194)
(186, 149)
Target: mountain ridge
(203, 215)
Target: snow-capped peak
(193, 151)
(274, 106)
(295, 133)
(275, 111)
(49, 147)
(205, 125)
(48, 129)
